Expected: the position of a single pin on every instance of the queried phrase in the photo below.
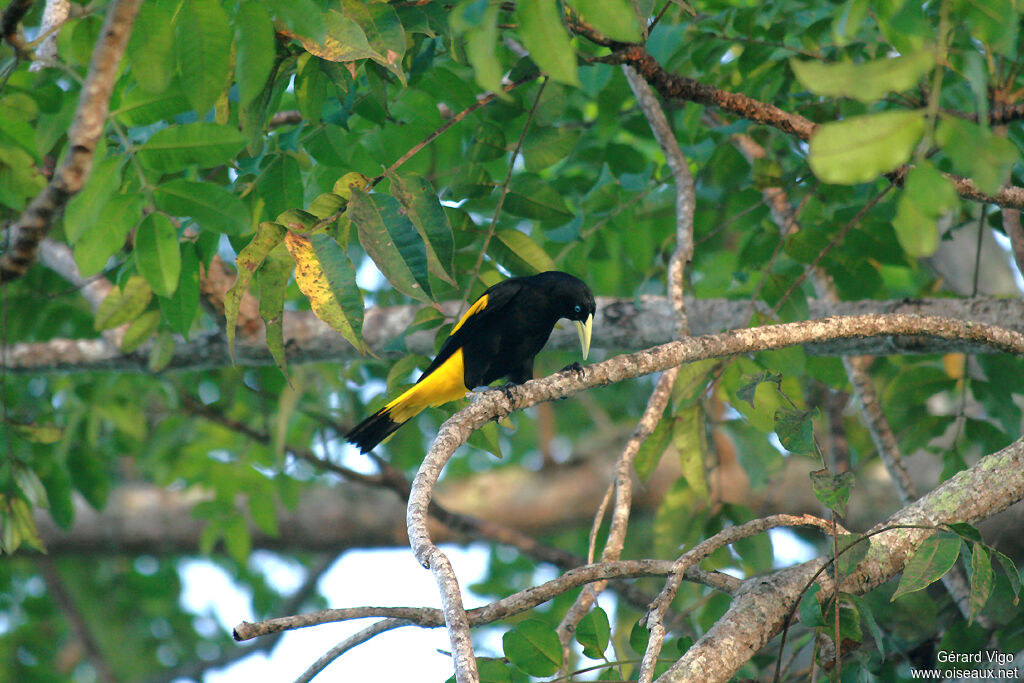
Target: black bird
(497, 337)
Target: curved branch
(761, 607)
(496, 404)
(90, 119)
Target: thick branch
(760, 608)
(31, 227)
(620, 324)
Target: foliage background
(235, 133)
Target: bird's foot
(509, 391)
(574, 368)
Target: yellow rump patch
(478, 305)
(446, 383)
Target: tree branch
(619, 324)
(672, 86)
(496, 404)
(31, 227)
(761, 607)
(431, 617)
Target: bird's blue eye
(577, 308)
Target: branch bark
(620, 324)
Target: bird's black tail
(374, 429)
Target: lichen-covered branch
(762, 605)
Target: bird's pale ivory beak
(585, 330)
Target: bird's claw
(574, 368)
(509, 391)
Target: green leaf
(849, 619)
(795, 429)
(57, 482)
(810, 608)
(156, 253)
(89, 475)
(868, 618)
(977, 152)
(280, 184)
(39, 433)
(861, 148)
(519, 253)
(383, 31)
(1011, 573)
(304, 17)
(832, 490)
(748, 388)
(201, 144)
(651, 450)
(994, 21)
(916, 228)
(343, 39)
(422, 206)
(268, 235)
(237, 540)
(84, 208)
(547, 146)
(181, 307)
(254, 37)
(202, 44)
(341, 276)
(391, 240)
(614, 18)
(107, 235)
(530, 196)
(544, 35)
(593, 633)
(933, 558)
(480, 30)
(123, 305)
(311, 87)
(639, 636)
(852, 549)
(273, 281)
(487, 439)
(151, 54)
(142, 108)
(687, 437)
(866, 82)
(327, 277)
(209, 205)
(965, 531)
(141, 329)
(533, 646)
(326, 205)
(927, 195)
(982, 580)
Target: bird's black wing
(476, 329)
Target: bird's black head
(572, 299)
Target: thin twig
(656, 615)
(475, 273)
(431, 617)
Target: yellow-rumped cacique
(497, 337)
